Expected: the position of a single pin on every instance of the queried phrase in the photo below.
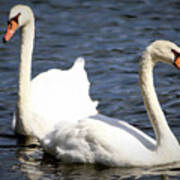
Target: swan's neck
(27, 38)
(164, 135)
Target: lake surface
(111, 35)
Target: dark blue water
(111, 35)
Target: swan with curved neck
(51, 96)
(111, 142)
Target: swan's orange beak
(12, 27)
(177, 62)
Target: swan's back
(58, 95)
(99, 139)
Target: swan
(99, 139)
(51, 96)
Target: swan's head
(165, 51)
(19, 16)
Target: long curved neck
(164, 135)
(27, 39)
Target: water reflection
(34, 165)
(30, 162)
(37, 165)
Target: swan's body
(111, 142)
(57, 96)
(52, 96)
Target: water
(111, 36)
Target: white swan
(111, 142)
(52, 96)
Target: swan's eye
(176, 54)
(16, 18)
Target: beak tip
(4, 40)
